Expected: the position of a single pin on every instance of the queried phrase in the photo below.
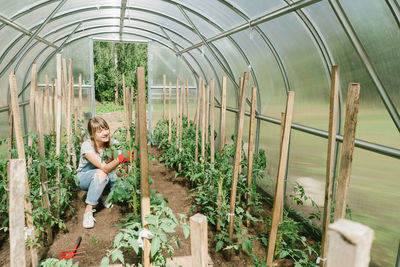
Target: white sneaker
(88, 219)
(106, 204)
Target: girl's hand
(121, 157)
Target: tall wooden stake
(10, 130)
(47, 102)
(180, 122)
(144, 163)
(58, 97)
(212, 147)
(196, 121)
(68, 94)
(346, 159)
(223, 114)
(21, 155)
(238, 152)
(80, 98)
(17, 178)
(64, 86)
(164, 85)
(34, 86)
(330, 160)
(125, 91)
(280, 179)
(251, 145)
(53, 100)
(169, 113)
(177, 112)
(187, 102)
(207, 112)
(203, 122)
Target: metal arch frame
(355, 41)
(395, 9)
(153, 23)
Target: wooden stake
(330, 160)
(80, 98)
(177, 111)
(349, 244)
(251, 145)
(199, 240)
(281, 207)
(10, 131)
(280, 179)
(53, 98)
(346, 159)
(144, 163)
(187, 102)
(207, 112)
(169, 113)
(238, 152)
(132, 95)
(126, 107)
(74, 129)
(68, 114)
(48, 107)
(17, 179)
(212, 152)
(180, 123)
(223, 114)
(203, 122)
(239, 99)
(219, 199)
(58, 97)
(31, 125)
(64, 86)
(164, 85)
(196, 121)
(21, 155)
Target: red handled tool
(74, 253)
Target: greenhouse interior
(252, 133)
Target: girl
(93, 173)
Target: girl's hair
(95, 124)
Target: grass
(108, 107)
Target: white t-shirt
(88, 147)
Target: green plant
(52, 262)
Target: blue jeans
(95, 187)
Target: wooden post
(53, 98)
(180, 123)
(330, 160)
(58, 97)
(346, 159)
(177, 111)
(239, 99)
(238, 152)
(132, 94)
(31, 125)
(68, 114)
(199, 240)
(42, 171)
(196, 121)
(187, 102)
(74, 130)
(203, 122)
(164, 85)
(144, 163)
(223, 114)
(278, 198)
(349, 244)
(17, 179)
(207, 111)
(48, 107)
(80, 97)
(212, 147)
(219, 199)
(281, 207)
(251, 145)
(126, 107)
(169, 113)
(21, 155)
(64, 86)
(10, 130)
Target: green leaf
(155, 246)
(117, 254)
(105, 262)
(118, 239)
(186, 230)
(283, 254)
(219, 245)
(151, 219)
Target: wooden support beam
(53, 101)
(58, 96)
(251, 146)
(281, 207)
(177, 112)
(212, 118)
(346, 159)
(199, 240)
(207, 112)
(349, 244)
(196, 121)
(144, 163)
(203, 123)
(278, 198)
(239, 106)
(21, 155)
(80, 98)
(330, 159)
(31, 126)
(164, 85)
(64, 86)
(17, 179)
(169, 113)
(126, 107)
(223, 114)
(238, 152)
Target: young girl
(93, 173)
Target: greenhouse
(239, 133)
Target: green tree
(111, 60)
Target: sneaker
(106, 204)
(88, 219)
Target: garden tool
(74, 253)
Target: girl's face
(102, 135)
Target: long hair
(95, 124)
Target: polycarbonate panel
(12, 52)
(163, 7)
(181, 42)
(36, 16)
(3, 133)
(379, 34)
(221, 14)
(270, 143)
(257, 7)
(205, 27)
(270, 78)
(374, 200)
(306, 73)
(9, 35)
(10, 8)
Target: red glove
(122, 158)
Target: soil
(96, 241)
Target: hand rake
(74, 253)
